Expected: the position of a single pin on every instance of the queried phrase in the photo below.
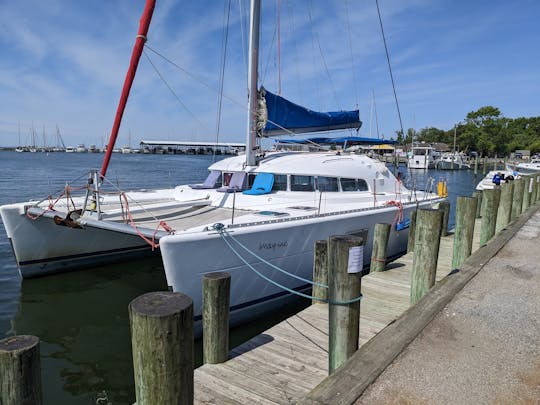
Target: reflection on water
(82, 321)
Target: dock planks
(282, 365)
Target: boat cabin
(346, 173)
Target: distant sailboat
(19, 148)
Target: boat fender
(441, 189)
(403, 224)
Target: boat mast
(130, 75)
(253, 73)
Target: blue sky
(63, 63)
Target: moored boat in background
(451, 161)
(421, 157)
(525, 167)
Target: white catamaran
(256, 216)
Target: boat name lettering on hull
(272, 245)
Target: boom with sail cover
(285, 117)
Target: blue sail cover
(298, 120)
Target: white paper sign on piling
(356, 259)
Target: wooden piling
(505, 206)
(20, 374)
(344, 277)
(478, 195)
(489, 218)
(412, 227)
(517, 201)
(484, 166)
(162, 345)
(526, 193)
(426, 251)
(463, 236)
(444, 206)
(215, 317)
(381, 234)
(536, 189)
(533, 190)
(476, 165)
(320, 272)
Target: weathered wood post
(444, 206)
(517, 201)
(162, 345)
(380, 242)
(526, 193)
(463, 236)
(345, 254)
(20, 374)
(489, 218)
(478, 195)
(215, 317)
(484, 166)
(320, 272)
(426, 252)
(476, 165)
(537, 188)
(533, 190)
(505, 206)
(412, 228)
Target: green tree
(484, 130)
(433, 134)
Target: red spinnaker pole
(134, 62)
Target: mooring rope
(220, 228)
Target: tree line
(484, 131)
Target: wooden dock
(286, 362)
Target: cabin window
(250, 179)
(226, 178)
(353, 185)
(280, 182)
(327, 183)
(362, 185)
(302, 183)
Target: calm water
(81, 317)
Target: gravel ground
(484, 347)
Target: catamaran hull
(287, 244)
(42, 247)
